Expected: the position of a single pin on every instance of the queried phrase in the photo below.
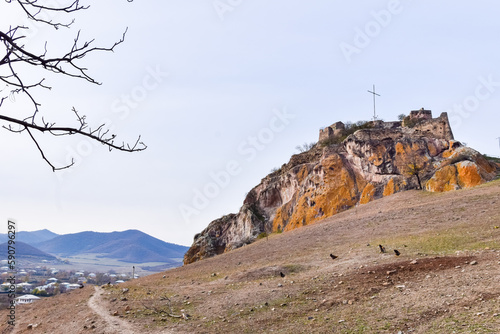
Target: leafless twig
(15, 58)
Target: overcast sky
(223, 91)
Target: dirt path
(113, 323)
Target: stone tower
(333, 131)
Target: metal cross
(373, 92)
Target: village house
(26, 299)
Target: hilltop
(99, 251)
(444, 281)
(127, 246)
(25, 252)
(31, 237)
(350, 165)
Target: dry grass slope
(444, 281)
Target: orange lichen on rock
(338, 193)
(368, 194)
(410, 153)
(393, 186)
(445, 179)
(468, 174)
(283, 215)
(400, 148)
(448, 153)
(451, 150)
(377, 158)
(302, 174)
(390, 188)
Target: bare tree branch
(33, 10)
(100, 137)
(43, 155)
(14, 56)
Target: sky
(222, 92)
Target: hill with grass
(31, 237)
(23, 251)
(445, 279)
(127, 246)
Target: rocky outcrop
(462, 167)
(379, 160)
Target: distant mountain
(31, 237)
(128, 246)
(26, 252)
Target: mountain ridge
(25, 251)
(31, 237)
(128, 246)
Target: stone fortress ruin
(419, 120)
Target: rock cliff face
(376, 161)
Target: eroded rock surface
(377, 161)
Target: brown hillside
(444, 281)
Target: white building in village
(73, 286)
(26, 299)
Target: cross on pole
(373, 92)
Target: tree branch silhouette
(13, 75)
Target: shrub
(305, 147)
(490, 158)
(350, 128)
(410, 122)
(42, 293)
(262, 235)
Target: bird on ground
(397, 252)
(333, 256)
(382, 248)
(281, 274)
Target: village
(38, 281)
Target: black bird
(333, 256)
(382, 248)
(281, 274)
(397, 252)
(81, 286)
